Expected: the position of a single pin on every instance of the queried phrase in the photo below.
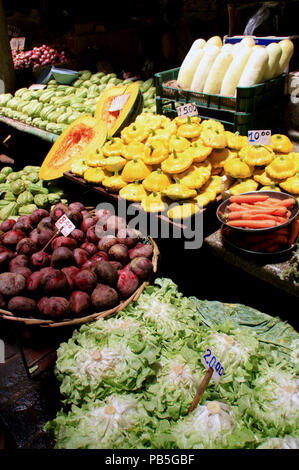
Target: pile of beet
(100, 263)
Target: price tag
(210, 360)
(37, 86)
(259, 137)
(64, 225)
(188, 109)
(118, 102)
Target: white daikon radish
(274, 53)
(248, 41)
(217, 71)
(188, 68)
(198, 44)
(234, 71)
(203, 68)
(214, 41)
(255, 68)
(227, 47)
(287, 51)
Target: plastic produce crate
(268, 118)
(247, 100)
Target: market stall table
(20, 126)
(270, 273)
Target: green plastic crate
(268, 118)
(247, 100)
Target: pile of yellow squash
(157, 161)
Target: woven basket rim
(48, 323)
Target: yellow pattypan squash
(149, 120)
(236, 168)
(135, 170)
(291, 185)
(133, 192)
(189, 131)
(281, 168)
(114, 182)
(236, 141)
(110, 163)
(93, 159)
(244, 186)
(79, 167)
(179, 144)
(261, 177)
(183, 210)
(179, 121)
(257, 155)
(133, 132)
(295, 156)
(270, 188)
(113, 147)
(219, 156)
(156, 181)
(212, 125)
(95, 175)
(177, 162)
(205, 197)
(213, 184)
(133, 150)
(200, 151)
(158, 140)
(281, 143)
(214, 138)
(153, 203)
(179, 191)
(196, 176)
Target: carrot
(252, 223)
(236, 215)
(294, 232)
(286, 202)
(260, 217)
(248, 198)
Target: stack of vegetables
(156, 161)
(131, 379)
(23, 191)
(213, 68)
(54, 107)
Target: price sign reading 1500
(188, 109)
(210, 360)
(259, 137)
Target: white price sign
(188, 109)
(210, 360)
(118, 102)
(259, 137)
(64, 225)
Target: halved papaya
(119, 106)
(80, 135)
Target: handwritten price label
(118, 103)
(64, 225)
(188, 109)
(210, 360)
(259, 137)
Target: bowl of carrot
(260, 221)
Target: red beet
(128, 237)
(81, 256)
(127, 283)
(102, 215)
(85, 214)
(107, 242)
(116, 265)
(7, 225)
(105, 272)
(18, 261)
(78, 235)
(104, 297)
(24, 223)
(26, 246)
(54, 282)
(141, 249)
(80, 302)
(89, 264)
(119, 253)
(76, 206)
(75, 217)
(38, 215)
(90, 248)
(62, 257)
(91, 235)
(114, 224)
(12, 238)
(21, 305)
(46, 223)
(87, 223)
(40, 259)
(70, 273)
(44, 236)
(34, 281)
(58, 211)
(64, 241)
(5, 257)
(99, 256)
(26, 272)
(86, 280)
(54, 307)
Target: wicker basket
(6, 315)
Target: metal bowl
(274, 194)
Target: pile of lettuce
(128, 381)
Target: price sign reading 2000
(210, 360)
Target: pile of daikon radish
(213, 68)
